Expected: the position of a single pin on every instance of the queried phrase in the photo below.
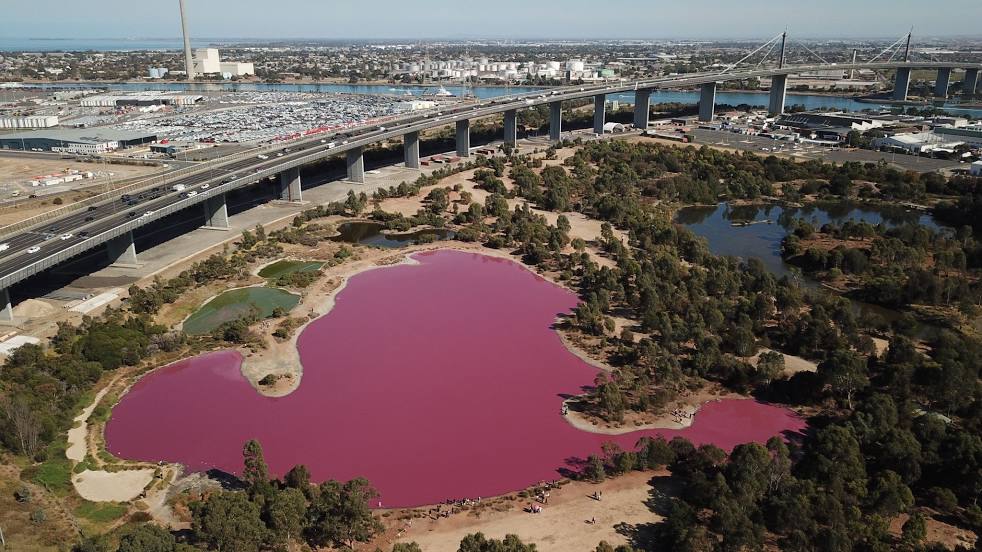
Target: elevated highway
(39, 244)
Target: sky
(458, 19)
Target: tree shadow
(573, 469)
(642, 536)
(228, 481)
(660, 494)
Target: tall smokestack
(188, 62)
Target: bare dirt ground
(571, 521)
(16, 172)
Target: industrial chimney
(188, 61)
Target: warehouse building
(36, 121)
(76, 140)
(141, 99)
(922, 142)
(969, 135)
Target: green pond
(282, 268)
(235, 304)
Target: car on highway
(89, 218)
(192, 193)
(4, 246)
(66, 236)
(83, 234)
(131, 214)
(33, 250)
(205, 186)
(92, 208)
(148, 213)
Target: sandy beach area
(571, 521)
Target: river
(809, 101)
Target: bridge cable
(887, 49)
(823, 60)
(759, 48)
(763, 59)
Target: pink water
(435, 381)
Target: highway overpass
(43, 242)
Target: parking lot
(766, 146)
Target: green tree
(255, 473)
(147, 538)
(477, 542)
(228, 521)
(339, 515)
(285, 513)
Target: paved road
(92, 227)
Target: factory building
(82, 141)
(207, 61)
(37, 121)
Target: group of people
(679, 414)
(534, 508)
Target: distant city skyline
(501, 19)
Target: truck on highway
(178, 187)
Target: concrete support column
(971, 82)
(464, 138)
(122, 250)
(511, 127)
(642, 101)
(216, 212)
(410, 149)
(942, 82)
(707, 102)
(556, 121)
(290, 185)
(599, 113)
(779, 91)
(6, 310)
(356, 165)
(901, 84)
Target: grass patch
(55, 473)
(100, 512)
(236, 304)
(279, 269)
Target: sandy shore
(104, 486)
(564, 525)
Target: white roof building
(921, 142)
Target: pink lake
(438, 380)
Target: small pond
(235, 304)
(374, 234)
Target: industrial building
(36, 121)
(922, 142)
(968, 135)
(157, 72)
(81, 141)
(829, 120)
(207, 61)
(141, 99)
